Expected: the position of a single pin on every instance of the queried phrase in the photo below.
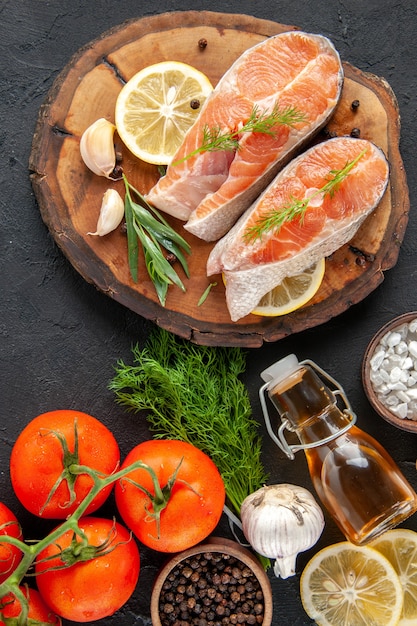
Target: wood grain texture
(69, 196)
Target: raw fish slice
(252, 268)
(265, 70)
(312, 92)
(274, 72)
(185, 185)
(246, 178)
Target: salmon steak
(313, 207)
(209, 187)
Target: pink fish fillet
(213, 188)
(254, 261)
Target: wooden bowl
(384, 411)
(219, 546)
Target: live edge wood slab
(69, 196)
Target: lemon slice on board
(292, 293)
(157, 106)
(346, 584)
(399, 546)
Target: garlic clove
(111, 213)
(280, 521)
(97, 147)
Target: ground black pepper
(211, 589)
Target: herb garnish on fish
(295, 208)
(264, 122)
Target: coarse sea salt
(393, 372)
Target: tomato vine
(30, 551)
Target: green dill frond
(194, 393)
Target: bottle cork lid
(281, 369)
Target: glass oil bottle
(355, 478)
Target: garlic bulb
(279, 521)
(97, 147)
(111, 213)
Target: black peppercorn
(117, 172)
(329, 134)
(355, 105)
(170, 257)
(355, 132)
(187, 571)
(221, 590)
(195, 104)
(202, 43)
(258, 609)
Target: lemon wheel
(293, 292)
(157, 106)
(399, 546)
(345, 584)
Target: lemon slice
(292, 293)
(399, 546)
(157, 106)
(345, 584)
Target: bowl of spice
(218, 581)
(389, 371)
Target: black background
(60, 338)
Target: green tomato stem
(31, 551)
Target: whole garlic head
(279, 521)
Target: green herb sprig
(274, 219)
(146, 226)
(205, 294)
(264, 122)
(195, 394)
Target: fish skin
(179, 198)
(247, 280)
(215, 224)
(183, 191)
(184, 186)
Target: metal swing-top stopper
(277, 373)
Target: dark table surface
(60, 338)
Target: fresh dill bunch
(194, 393)
(264, 122)
(295, 208)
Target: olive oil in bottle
(355, 478)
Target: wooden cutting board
(69, 195)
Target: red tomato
(196, 502)
(10, 556)
(37, 607)
(93, 589)
(37, 461)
